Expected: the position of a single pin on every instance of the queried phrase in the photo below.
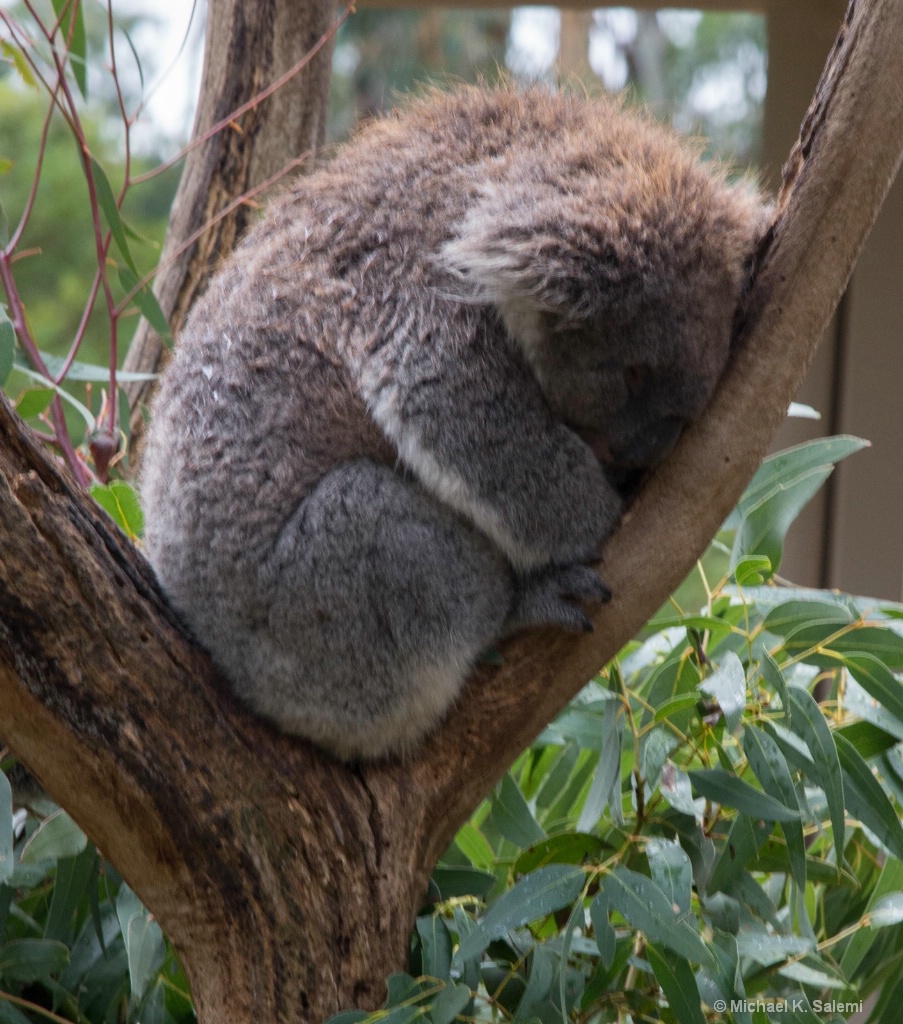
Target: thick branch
(252, 850)
(248, 46)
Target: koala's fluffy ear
(570, 253)
(594, 245)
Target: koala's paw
(549, 598)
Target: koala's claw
(548, 598)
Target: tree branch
(247, 47)
(253, 849)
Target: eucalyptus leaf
(809, 724)
(7, 348)
(770, 767)
(731, 791)
(540, 893)
(678, 983)
(57, 836)
(866, 798)
(645, 906)
(727, 684)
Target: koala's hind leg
(380, 600)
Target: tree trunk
(248, 46)
(288, 882)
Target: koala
(392, 430)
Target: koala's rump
(247, 421)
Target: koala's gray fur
(377, 449)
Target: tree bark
(248, 46)
(288, 882)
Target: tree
(240, 840)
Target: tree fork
(289, 882)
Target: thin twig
(251, 103)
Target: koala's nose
(652, 446)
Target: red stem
(226, 210)
(251, 103)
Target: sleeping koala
(389, 434)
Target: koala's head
(619, 278)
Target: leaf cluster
(709, 832)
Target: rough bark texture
(248, 46)
(287, 882)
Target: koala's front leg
(471, 423)
(549, 597)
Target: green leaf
(674, 705)
(767, 948)
(606, 784)
(7, 348)
(7, 858)
(730, 791)
(671, 871)
(349, 1017)
(22, 366)
(450, 1003)
(813, 971)
(34, 401)
(809, 724)
(676, 789)
(868, 739)
(643, 904)
(773, 678)
(877, 680)
(752, 570)
(120, 501)
(436, 946)
(457, 882)
(768, 764)
(727, 684)
(539, 984)
(890, 881)
(787, 618)
(143, 941)
(475, 846)
(72, 877)
(602, 929)
(512, 816)
(678, 983)
(75, 36)
(567, 848)
(57, 836)
(743, 841)
(32, 959)
(90, 371)
(783, 467)
(107, 203)
(764, 527)
(866, 798)
(886, 911)
(21, 64)
(147, 303)
(539, 893)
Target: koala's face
(630, 388)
